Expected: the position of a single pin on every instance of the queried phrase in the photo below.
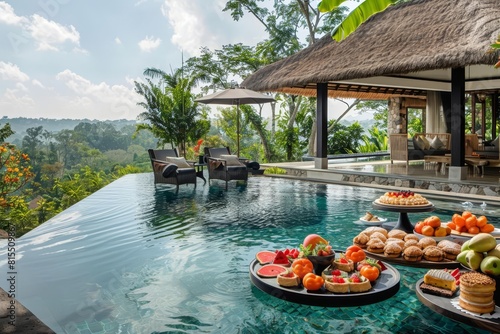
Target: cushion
(418, 143)
(437, 144)
(231, 160)
(169, 169)
(411, 145)
(427, 144)
(180, 162)
(495, 142)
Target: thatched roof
(405, 50)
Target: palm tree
(171, 113)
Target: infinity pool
(135, 258)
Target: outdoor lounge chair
(224, 166)
(169, 168)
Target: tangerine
(428, 231)
(488, 228)
(470, 222)
(459, 221)
(433, 221)
(473, 230)
(440, 232)
(466, 214)
(418, 227)
(451, 225)
(481, 221)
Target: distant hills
(20, 124)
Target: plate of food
(370, 219)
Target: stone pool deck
(25, 321)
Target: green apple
(461, 258)
(474, 259)
(495, 251)
(482, 242)
(465, 246)
(491, 265)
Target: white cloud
(149, 44)
(190, 30)
(37, 83)
(49, 34)
(9, 71)
(115, 100)
(7, 15)
(118, 41)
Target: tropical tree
(171, 113)
(357, 16)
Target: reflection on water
(133, 258)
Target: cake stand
(403, 221)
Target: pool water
(135, 258)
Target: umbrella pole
(238, 128)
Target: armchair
(224, 166)
(169, 168)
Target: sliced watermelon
(265, 257)
(281, 258)
(270, 270)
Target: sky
(79, 59)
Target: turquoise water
(135, 258)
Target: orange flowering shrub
(15, 171)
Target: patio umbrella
(236, 96)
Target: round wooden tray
(386, 286)
(418, 264)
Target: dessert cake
(288, 278)
(476, 292)
(404, 197)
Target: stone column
(396, 123)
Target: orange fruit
(481, 221)
(470, 222)
(459, 221)
(428, 231)
(418, 227)
(440, 232)
(448, 230)
(473, 230)
(461, 229)
(433, 221)
(466, 214)
(487, 228)
(451, 225)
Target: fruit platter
(316, 274)
(409, 249)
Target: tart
(337, 284)
(343, 264)
(288, 278)
(403, 198)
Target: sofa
(420, 145)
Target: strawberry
(338, 279)
(355, 278)
(455, 273)
(336, 272)
(343, 260)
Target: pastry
(476, 292)
(372, 229)
(396, 241)
(405, 198)
(368, 216)
(410, 242)
(337, 284)
(411, 236)
(361, 240)
(343, 264)
(288, 278)
(413, 254)
(433, 253)
(399, 234)
(441, 279)
(378, 235)
(392, 249)
(426, 242)
(359, 283)
(375, 246)
(451, 249)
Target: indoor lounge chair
(169, 168)
(222, 165)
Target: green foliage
(344, 139)
(375, 142)
(380, 111)
(274, 170)
(357, 16)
